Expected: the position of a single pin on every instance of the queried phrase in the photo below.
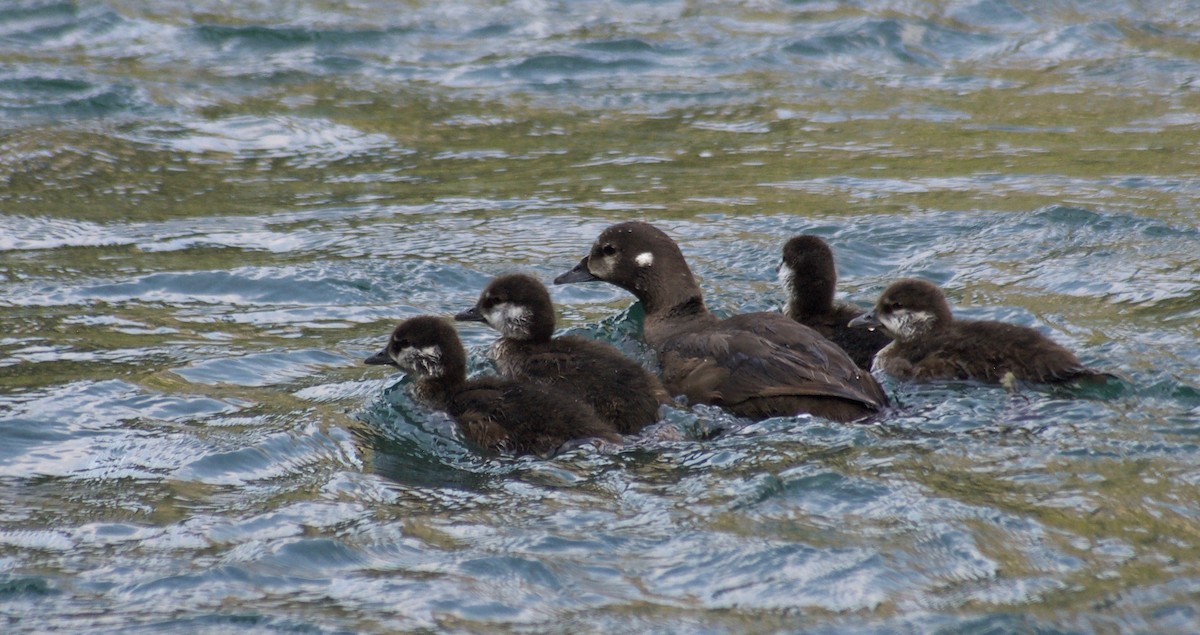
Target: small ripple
(260, 369)
(30, 233)
(275, 456)
(624, 46)
(471, 155)
(45, 96)
(269, 39)
(559, 68)
(14, 587)
(340, 391)
(741, 127)
(84, 430)
(42, 540)
(861, 42)
(622, 159)
(286, 286)
(1096, 40)
(303, 143)
(800, 576)
(54, 24)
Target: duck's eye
(608, 250)
(401, 343)
(893, 305)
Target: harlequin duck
(930, 344)
(755, 365)
(808, 275)
(621, 392)
(494, 413)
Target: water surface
(211, 213)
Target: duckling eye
(608, 250)
(401, 343)
(893, 305)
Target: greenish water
(209, 214)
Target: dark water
(211, 211)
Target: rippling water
(212, 211)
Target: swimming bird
(930, 344)
(756, 365)
(494, 413)
(621, 392)
(808, 275)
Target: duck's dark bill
(470, 315)
(380, 359)
(579, 273)
(867, 320)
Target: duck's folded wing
(732, 365)
(825, 360)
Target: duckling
(493, 413)
(808, 274)
(620, 391)
(928, 343)
(755, 365)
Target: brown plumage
(494, 413)
(756, 365)
(930, 344)
(808, 275)
(621, 392)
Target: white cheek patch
(512, 320)
(644, 259)
(904, 324)
(423, 361)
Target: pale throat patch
(512, 320)
(877, 364)
(786, 275)
(425, 361)
(904, 324)
(644, 259)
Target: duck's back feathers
(986, 351)
(501, 415)
(616, 387)
(860, 344)
(764, 364)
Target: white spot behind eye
(644, 259)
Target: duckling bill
(493, 413)
(756, 365)
(930, 344)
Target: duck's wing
(764, 355)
